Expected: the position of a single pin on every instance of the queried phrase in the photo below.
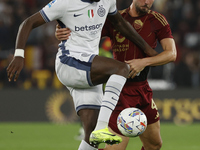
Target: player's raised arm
(25, 28)
(130, 33)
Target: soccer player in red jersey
(153, 27)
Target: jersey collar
(87, 1)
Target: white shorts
(87, 98)
(73, 71)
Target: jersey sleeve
(165, 32)
(54, 10)
(113, 7)
(162, 27)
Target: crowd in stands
(182, 15)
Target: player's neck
(132, 12)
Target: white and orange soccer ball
(131, 122)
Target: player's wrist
(19, 52)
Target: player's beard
(142, 10)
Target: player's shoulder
(123, 11)
(157, 17)
(155, 13)
(58, 3)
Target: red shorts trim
(139, 95)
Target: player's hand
(62, 33)
(15, 68)
(136, 66)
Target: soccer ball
(131, 122)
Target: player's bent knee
(123, 70)
(154, 146)
(159, 145)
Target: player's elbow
(26, 23)
(173, 55)
(173, 51)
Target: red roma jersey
(152, 27)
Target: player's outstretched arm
(25, 28)
(130, 33)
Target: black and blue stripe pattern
(44, 16)
(87, 106)
(112, 95)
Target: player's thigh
(103, 67)
(120, 146)
(151, 137)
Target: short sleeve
(113, 7)
(54, 10)
(161, 26)
(164, 32)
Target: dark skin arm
(25, 28)
(130, 33)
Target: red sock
(142, 148)
(100, 149)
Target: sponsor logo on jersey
(51, 3)
(88, 28)
(76, 15)
(119, 37)
(101, 11)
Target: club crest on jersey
(101, 11)
(138, 24)
(51, 3)
(91, 13)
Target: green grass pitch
(48, 136)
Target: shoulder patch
(160, 18)
(51, 3)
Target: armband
(19, 52)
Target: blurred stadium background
(37, 112)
